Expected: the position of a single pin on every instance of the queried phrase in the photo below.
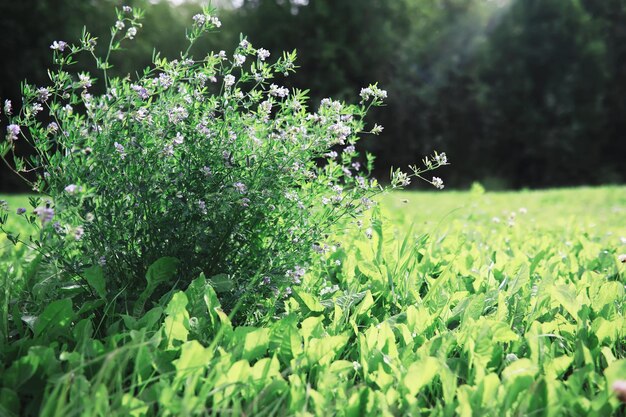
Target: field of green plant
(455, 303)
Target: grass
(461, 303)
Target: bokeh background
(518, 93)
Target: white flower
(281, 92)
(373, 92)
(178, 140)
(229, 81)
(199, 19)
(377, 129)
(131, 32)
(127, 9)
(119, 25)
(216, 22)
(8, 107)
(622, 258)
(58, 46)
(84, 80)
(441, 158)
(263, 54)
(239, 59)
(438, 183)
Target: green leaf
(95, 278)
(193, 359)
(56, 317)
(566, 296)
(177, 305)
(134, 407)
(615, 371)
(420, 374)
(308, 301)
(221, 283)
(255, 343)
(9, 403)
(163, 269)
(365, 305)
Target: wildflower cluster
(210, 161)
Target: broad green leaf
(265, 369)
(420, 374)
(615, 371)
(566, 296)
(56, 317)
(177, 305)
(134, 406)
(308, 301)
(9, 403)
(255, 343)
(365, 305)
(221, 283)
(193, 358)
(95, 278)
(162, 270)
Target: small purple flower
(53, 127)
(120, 149)
(57, 227)
(12, 132)
(58, 46)
(206, 170)
(45, 214)
(21, 210)
(102, 261)
(127, 9)
(240, 187)
(245, 202)
(72, 189)
(79, 231)
(266, 280)
(141, 91)
(202, 206)
(43, 94)
(199, 19)
(179, 139)
(84, 80)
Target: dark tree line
(526, 93)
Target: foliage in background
(519, 93)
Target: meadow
(448, 304)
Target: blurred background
(518, 93)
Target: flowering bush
(205, 161)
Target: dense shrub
(195, 166)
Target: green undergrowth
(458, 303)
